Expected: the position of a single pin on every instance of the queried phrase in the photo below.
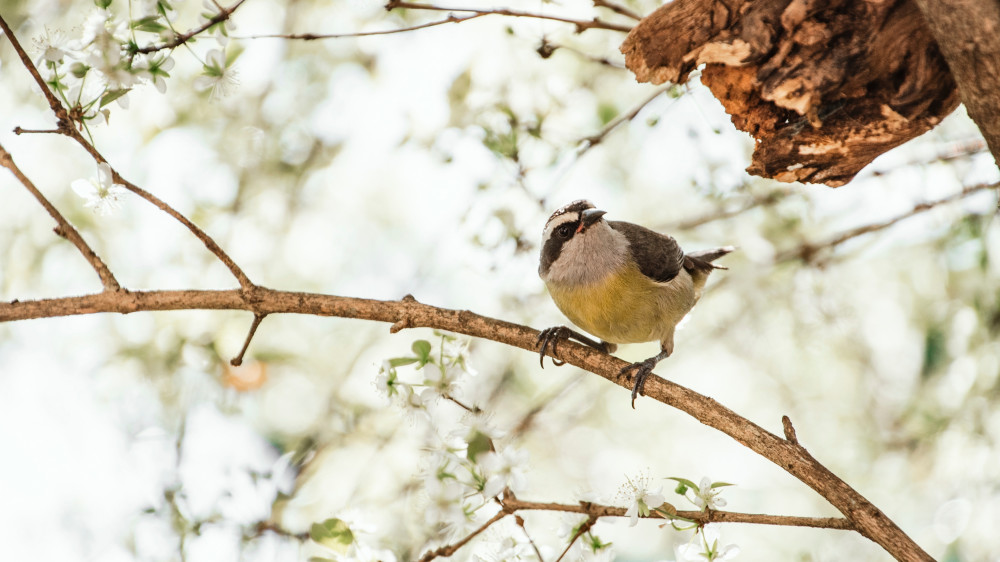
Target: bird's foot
(547, 340)
(642, 371)
(549, 337)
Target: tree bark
(824, 87)
(968, 34)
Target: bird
(619, 281)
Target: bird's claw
(547, 339)
(642, 371)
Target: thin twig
(207, 240)
(618, 9)
(808, 250)
(593, 140)
(951, 151)
(520, 523)
(238, 360)
(584, 527)
(67, 128)
(179, 39)
(581, 25)
(547, 48)
(315, 36)
(448, 550)
(54, 104)
(21, 131)
(701, 517)
(765, 200)
(65, 229)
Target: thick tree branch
(792, 457)
(968, 34)
(65, 229)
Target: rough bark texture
(968, 32)
(824, 87)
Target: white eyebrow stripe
(557, 221)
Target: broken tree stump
(823, 87)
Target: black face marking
(562, 233)
(553, 246)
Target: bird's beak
(589, 217)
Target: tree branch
(67, 127)
(596, 138)
(967, 34)
(61, 114)
(65, 229)
(448, 550)
(581, 25)
(792, 457)
(584, 527)
(617, 8)
(808, 250)
(315, 36)
(181, 38)
(701, 517)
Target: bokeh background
(427, 163)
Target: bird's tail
(702, 259)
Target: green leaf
(423, 350)
(480, 443)
(149, 23)
(112, 96)
(720, 484)
(400, 361)
(683, 484)
(332, 533)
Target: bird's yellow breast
(626, 306)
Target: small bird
(618, 281)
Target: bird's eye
(564, 231)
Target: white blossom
(641, 500)
(506, 550)
(217, 77)
(503, 469)
(475, 424)
(53, 46)
(588, 552)
(706, 549)
(458, 351)
(447, 497)
(707, 497)
(221, 31)
(101, 193)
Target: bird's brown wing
(659, 256)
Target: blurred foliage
(427, 163)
